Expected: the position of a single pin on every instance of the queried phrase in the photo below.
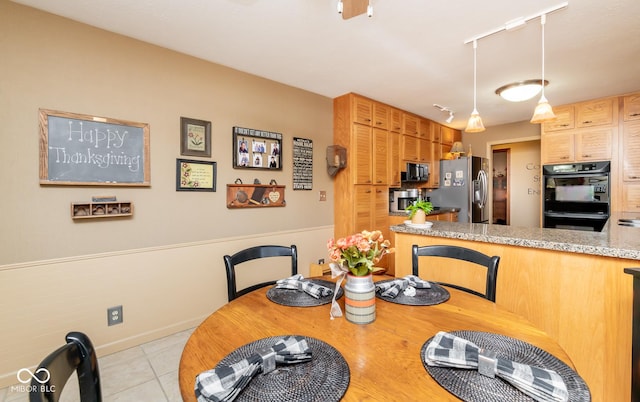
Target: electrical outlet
(321, 261)
(323, 195)
(114, 315)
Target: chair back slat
(252, 253)
(464, 254)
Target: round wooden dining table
(383, 357)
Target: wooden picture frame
(78, 149)
(256, 149)
(195, 137)
(192, 175)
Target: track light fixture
(369, 10)
(446, 110)
(340, 7)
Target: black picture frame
(195, 175)
(195, 137)
(256, 149)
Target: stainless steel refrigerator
(464, 184)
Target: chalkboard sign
(78, 149)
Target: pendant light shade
(475, 122)
(543, 111)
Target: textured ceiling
(410, 54)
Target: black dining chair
(53, 372)
(465, 254)
(252, 253)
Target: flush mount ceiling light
(521, 91)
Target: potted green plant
(419, 210)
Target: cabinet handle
(634, 177)
(379, 181)
(564, 125)
(587, 122)
(367, 119)
(368, 191)
(634, 114)
(378, 123)
(587, 156)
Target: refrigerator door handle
(481, 193)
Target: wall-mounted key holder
(241, 195)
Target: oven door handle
(576, 215)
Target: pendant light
(543, 111)
(475, 122)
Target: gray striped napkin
(393, 288)
(225, 383)
(447, 350)
(297, 282)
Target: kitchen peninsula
(569, 283)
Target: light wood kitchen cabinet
(631, 107)
(409, 148)
(434, 174)
(360, 152)
(594, 144)
(424, 129)
(447, 135)
(362, 110)
(631, 152)
(424, 151)
(565, 119)
(370, 209)
(380, 153)
(580, 145)
(601, 112)
(395, 120)
(410, 124)
(361, 192)
(394, 160)
(631, 197)
(558, 147)
(380, 116)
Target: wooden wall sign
(255, 195)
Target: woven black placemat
(298, 298)
(436, 294)
(324, 379)
(471, 386)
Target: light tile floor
(148, 372)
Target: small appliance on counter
(399, 200)
(416, 172)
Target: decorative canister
(360, 299)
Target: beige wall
(164, 265)
(525, 177)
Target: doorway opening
(501, 159)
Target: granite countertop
(614, 241)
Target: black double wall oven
(576, 196)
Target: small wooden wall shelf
(108, 209)
(255, 195)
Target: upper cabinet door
(362, 110)
(395, 123)
(631, 107)
(380, 116)
(597, 113)
(410, 124)
(565, 117)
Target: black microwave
(416, 172)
